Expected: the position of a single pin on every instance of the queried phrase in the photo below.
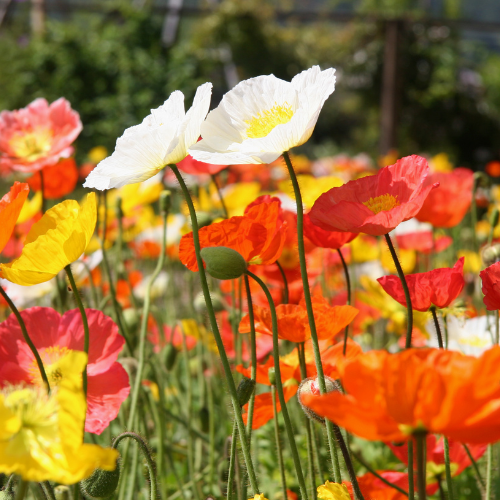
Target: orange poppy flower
(372, 487)
(293, 324)
(10, 208)
(258, 236)
(390, 396)
(59, 179)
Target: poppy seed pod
(223, 263)
(311, 386)
(7, 495)
(101, 484)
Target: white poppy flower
(162, 138)
(262, 117)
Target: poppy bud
(61, 492)
(131, 318)
(7, 495)
(169, 355)
(201, 306)
(271, 373)
(118, 207)
(494, 217)
(165, 201)
(490, 254)
(311, 386)
(223, 263)
(203, 219)
(245, 390)
(101, 484)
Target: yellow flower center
(32, 145)
(263, 123)
(434, 470)
(50, 358)
(382, 203)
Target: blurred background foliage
(112, 65)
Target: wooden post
(37, 17)
(389, 98)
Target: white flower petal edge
(162, 138)
(262, 117)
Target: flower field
(206, 314)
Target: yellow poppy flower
(55, 241)
(260, 496)
(41, 436)
(30, 208)
(311, 187)
(333, 491)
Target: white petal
(202, 152)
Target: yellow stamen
(50, 357)
(382, 203)
(32, 145)
(263, 123)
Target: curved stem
(232, 463)
(218, 339)
(474, 466)
(86, 337)
(253, 349)
(308, 301)
(279, 387)
(147, 455)
(221, 198)
(438, 328)
(286, 293)
(26, 337)
(144, 325)
(371, 470)
(449, 484)
(278, 443)
(401, 274)
(348, 285)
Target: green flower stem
(474, 466)
(438, 328)
(308, 301)
(473, 214)
(411, 485)
(279, 387)
(42, 190)
(116, 306)
(371, 470)
(232, 463)
(253, 350)
(310, 456)
(86, 338)
(420, 438)
(348, 285)
(160, 424)
(22, 488)
(144, 324)
(317, 455)
(449, 483)
(497, 327)
(286, 293)
(489, 470)
(211, 423)
(221, 198)
(26, 337)
(218, 339)
(401, 274)
(153, 486)
(278, 443)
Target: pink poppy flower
(54, 336)
(38, 135)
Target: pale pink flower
(37, 135)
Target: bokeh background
(414, 76)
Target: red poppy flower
(325, 239)
(191, 166)
(293, 324)
(54, 336)
(423, 242)
(390, 396)
(372, 487)
(439, 287)
(38, 135)
(447, 205)
(491, 286)
(459, 459)
(10, 208)
(258, 236)
(375, 204)
(59, 179)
